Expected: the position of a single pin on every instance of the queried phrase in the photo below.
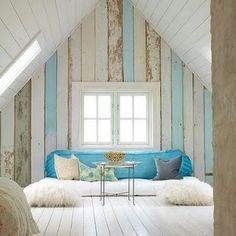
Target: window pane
(90, 131)
(90, 106)
(140, 131)
(140, 106)
(104, 131)
(126, 131)
(126, 106)
(104, 106)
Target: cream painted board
(139, 48)
(75, 116)
(88, 48)
(101, 41)
(37, 126)
(7, 140)
(188, 111)
(62, 96)
(198, 159)
(165, 95)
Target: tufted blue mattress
(145, 170)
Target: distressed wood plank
(165, 95)
(62, 96)
(51, 104)
(115, 44)
(177, 102)
(199, 163)
(75, 117)
(153, 54)
(101, 41)
(208, 134)
(75, 72)
(7, 141)
(22, 148)
(88, 48)
(128, 41)
(37, 126)
(188, 111)
(139, 48)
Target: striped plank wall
(114, 43)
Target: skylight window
(11, 74)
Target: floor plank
(77, 227)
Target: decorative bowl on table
(115, 156)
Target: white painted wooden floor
(120, 217)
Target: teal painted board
(50, 103)
(128, 41)
(208, 132)
(177, 101)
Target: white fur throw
(50, 195)
(188, 192)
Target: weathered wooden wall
(113, 43)
(22, 147)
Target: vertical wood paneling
(88, 48)
(177, 102)
(101, 41)
(128, 41)
(37, 126)
(208, 133)
(165, 95)
(199, 169)
(139, 48)
(51, 104)
(188, 111)
(115, 47)
(75, 72)
(7, 141)
(62, 96)
(23, 136)
(75, 116)
(153, 54)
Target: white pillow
(188, 192)
(50, 195)
(66, 169)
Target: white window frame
(151, 88)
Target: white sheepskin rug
(188, 192)
(50, 195)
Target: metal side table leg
(133, 184)
(128, 183)
(103, 203)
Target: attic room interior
(117, 117)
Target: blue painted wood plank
(208, 132)
(50, 103)
(177, 101)
(128, 41)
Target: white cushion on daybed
(188, 192)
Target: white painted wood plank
(5, 59)
(188, 111)
(36, 213)
(199, 163)
(150, 8)
(7, 140)
(65, 226)
(54, 222)
(62, 96)
(139, 48)
(165, 95)
(75, 117)
(11, 20)
(88, 48)
(26, 16)
(37, 126)
(44, 220)
(101, 41)
(77, 224)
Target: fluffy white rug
(191, 192)
(50, 195)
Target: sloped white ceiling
(185, 26)
(22, 20)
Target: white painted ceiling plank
(142, 4)
(11, 20)
(150, 8)
(5, 59)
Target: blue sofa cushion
(145, 170)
